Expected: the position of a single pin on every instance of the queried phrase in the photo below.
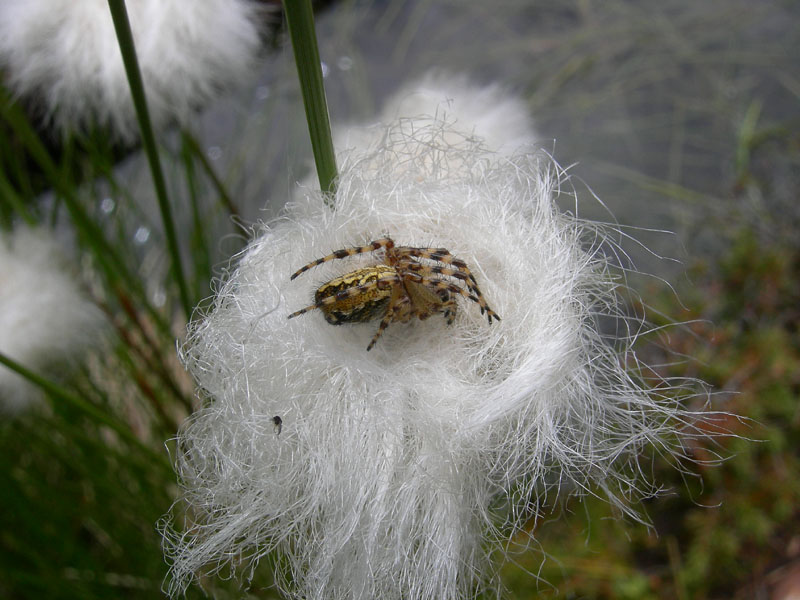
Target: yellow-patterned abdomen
(353, 303)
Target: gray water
(652, 102)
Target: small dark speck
(278, 422)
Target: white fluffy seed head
(46, 322)
(63, 56)
(394, 467)
(500, 119)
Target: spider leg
(425, 271)
(345, 294)
(450, 310)
(438, 254)
(442, 284)
(386, 243)
(412, 265)
(398, 299)
(438, 284)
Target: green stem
(300, 22)
(89, 409)
(125, 38)
(108, 259)
(198, 242)
(224, 197)
(11, 196)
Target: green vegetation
(83, 483)
(723, 530)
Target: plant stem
(109, 260)
(300, 22)
(125, 39)
(17, 204)
(224, 197)
(87, 408)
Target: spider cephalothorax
(400, 288)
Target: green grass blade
(125, 38)
(17, 204)
(199, 243)
(224, 197)
(119, 277)
(87, 408)
(300, 22)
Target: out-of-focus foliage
(79, 502)
(727, 529)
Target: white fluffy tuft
(46, 323)
(500, 119)
(394, 466)
(63, 55)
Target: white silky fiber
(400, 472)
(63, 57)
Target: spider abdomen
(403, 287)
(353, 303)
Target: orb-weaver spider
(397, 290)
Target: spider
(397, 290)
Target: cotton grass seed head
(63, 57)
(46, 322)
(489, 112)
(397, 471)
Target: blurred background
(681, 121)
